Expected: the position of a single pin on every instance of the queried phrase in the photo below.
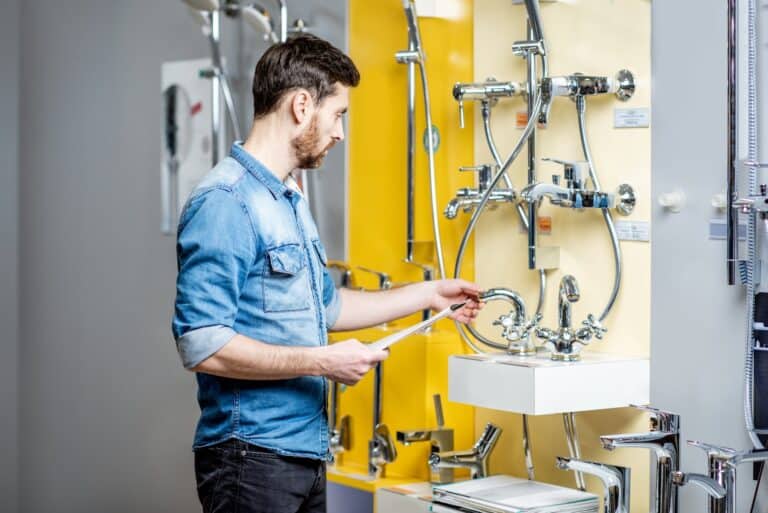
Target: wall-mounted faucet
(475, 459)
(664, 442)
(339, 433)
(467, 198)
(565, 342)
(381, 447)
(578, 84)
(615, 481)
(440, 439)
(489, 91)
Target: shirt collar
(257, 169)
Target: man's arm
(361, 309)
(245, 358)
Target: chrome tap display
(489, 91)
(616, 481)
(440, 439)
(578, 84)
(516, 327)
(475, 459)
(722, 463)
(468, 198)
(339, 434)
(565, 342)
(663, 440)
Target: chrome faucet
(615, 481)
(385, 280)
(574, 194)
(722, 463)
(516, 328)
(664, 442)
(440, 439)
(709, 485)
(381, 447)
(339, 434)
(468, 198)
(565, 342)
(475, 459)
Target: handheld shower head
(414, 36)
(203, 5)
(260, 20)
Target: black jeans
(237, 477)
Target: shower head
(414, 36)
(260, 20)
(203, 5)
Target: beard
(305, 145)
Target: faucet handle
(384, 443)
(715, 450)
(439, 411)
(594, 326)
(661, 420)
(385, 281)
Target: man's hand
(450, 292)
(348, 361)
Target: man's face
(324, 130)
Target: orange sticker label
(544, 224)
(521, 119)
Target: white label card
(631, 118)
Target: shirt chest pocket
(286, 279)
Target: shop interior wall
(9, 254)
(698, 329)
(598, 37)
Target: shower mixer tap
(467, 198)
(565, 342)
(489, 91)
(664, 442)
(578, 84)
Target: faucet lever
(438, 411)
(385, 281)
(661, 420)
(461, 113)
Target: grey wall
(106, 409)
(107, 413)
(697, 321)
(9, 262)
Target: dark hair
(304, 61)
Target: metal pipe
(410, 153)
(581, 106)
(534, 19)
(572, 437)
(216, 118)
(731, 213)
(376, 398)
(527, 449)
(283, 20)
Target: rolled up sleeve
(331, 300)
(215, 251)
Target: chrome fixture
(578, 84)
(468, 198)
(575, 194)
(348, 279)
(565, 342)
(616, 482)
(572, 438)
(385, 280)
(489, 91)
(440, 439)
(516, 327)
(412, 57)
(709, 485)
(381, 447)
(664, 442)
(722, 463)
(475, 459)
(339, 434)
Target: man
(254, 300)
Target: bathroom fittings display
(722, 463)
(348, 279)
(579, 84)
(615, 480)
(381, 447)
(663, 440)
(339, 434)
(385, 280)
(709, 485)
(474, 459)
(516, 327)
(565, 342)
(440, 439)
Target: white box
(540, 386)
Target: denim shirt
(251, 262)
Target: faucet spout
(569, 293)
(557, 195)
(475, 459)
(615, 481)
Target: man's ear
(302, 106)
